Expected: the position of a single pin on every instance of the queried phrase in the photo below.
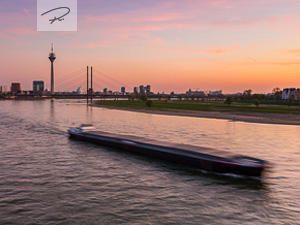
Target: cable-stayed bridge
(72, 81)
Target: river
(48, 178)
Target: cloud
(88, 45)
(162, 46)
(21, 31)
(3, 47)
(5, 36)
(158, 42)
(220, 50)
(185, 16)
(252, 59)
(285, 63)
(26, 11)
(250, 62)
(291, 50)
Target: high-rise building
(52, 57)
(38, 86)
(148, 89)
(15, 87)
(216, 92)
(80, 90)
(142, 89)
(3, 89)
(105, 91)
(91, 91)
(123, 90)
(290, 92)
(135, 90)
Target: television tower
(52, 57)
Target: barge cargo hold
(199, 157)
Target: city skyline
(174, 46)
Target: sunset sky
(231, 45)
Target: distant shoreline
(249, 117)
(22, 99)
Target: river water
(47, 178)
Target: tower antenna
(52, 57)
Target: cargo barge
(203, 158)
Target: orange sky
(171, 45)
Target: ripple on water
(46, 178)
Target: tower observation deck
(52, 57)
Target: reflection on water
(52, 112)
(48, 178)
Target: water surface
(47, 178)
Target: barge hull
(197, 160)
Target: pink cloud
(219, 50)
(144, 26)
(148, 28)
(165, 17)
(21, 31)
(5, 36)
(106, 18)
(158, 42)
(89, 45)
(26, 11)
(188, 14)
(230, 23)
(165, 5)
(3, 47)
(138, 17)
(221, 3)
(161, 46)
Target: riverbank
(233, 115)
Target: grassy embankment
(217, 106)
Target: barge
(203, 158)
